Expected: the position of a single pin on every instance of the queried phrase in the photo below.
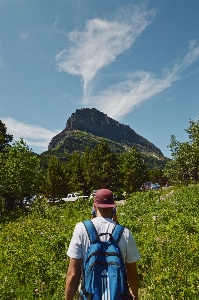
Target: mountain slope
(87, 126)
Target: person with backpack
(103, 255)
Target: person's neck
(104, 214)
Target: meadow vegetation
(164, 224)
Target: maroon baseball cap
(104, 199)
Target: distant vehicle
(154, 187)
(54, 201)
(145, 186)
(28, 200)
(70, 197)
(74, 197)
(158, 185)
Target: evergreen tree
(104, 167)
(184, 168)
(133, 169)
(74, 172)
(55, 184)
(86, 171)
(5, 138)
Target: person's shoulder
(79, 226)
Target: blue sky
(136, 61)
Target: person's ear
(95, 207)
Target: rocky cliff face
(98, 124)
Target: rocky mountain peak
(99, 124)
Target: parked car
(74, 197)
(54, 201)
(145, 186)
(158, 185)
(154, 187)
(28, 200)
(70, 197)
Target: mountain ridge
(96, 123)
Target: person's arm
(73, 278)
(132, 278)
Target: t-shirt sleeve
(132, 254)
(75, 248)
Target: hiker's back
(104, 268)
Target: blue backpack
(104, 272)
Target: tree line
(24, 173)
(184, 167)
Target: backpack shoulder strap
(91, 230)
(117, 232)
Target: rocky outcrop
(99, 124)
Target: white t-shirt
(80, 240)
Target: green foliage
(184, 168)
(78, 141)
(157, 175)
(33, 251)
(165, 227)
(133, 169)
(5, 138)
(164, 224)
(19, 171)
(103, 167)
(154, 161)
(55, 181)
(74, 172)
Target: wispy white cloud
(34, 136)
(140, 86)
(24, 35)
(56, 21)
(100, 43)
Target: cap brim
(104, 205)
